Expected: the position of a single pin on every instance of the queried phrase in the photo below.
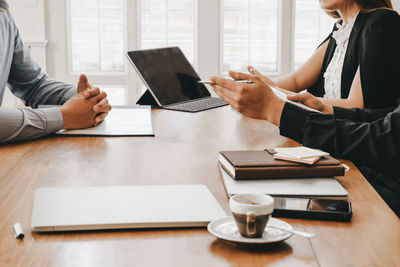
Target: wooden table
(184, 151)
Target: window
(312, 27)
(215, 35)
(97, 35)
(250, 35)
(169, 23)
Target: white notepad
(301, 152)
(297, 187)
(121, 121)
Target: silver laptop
(122, 207)
(292, 187)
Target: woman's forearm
(306, 75)
(287, 82)
(344, 103)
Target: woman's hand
(267, 80)
(311, 101)
(253, 100)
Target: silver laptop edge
(192, 205)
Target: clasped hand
(257, 100)
(86, 109)
(254, 100)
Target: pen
(238, 81)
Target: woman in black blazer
(367, 73)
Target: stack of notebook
(282, 172)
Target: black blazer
(374, 45)
(368, 138)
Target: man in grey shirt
(82, 106)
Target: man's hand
(311, 101)
(88, 91)
(253, 100)
(78, 112)
(88, 108)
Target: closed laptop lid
(296, 187)
(92, 208)
(168, 75)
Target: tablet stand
(147, 99)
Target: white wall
(29, 16)
(396, 5)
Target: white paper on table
(301, 152)
(121, 121)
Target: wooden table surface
(184, 151)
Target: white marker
(18, 232)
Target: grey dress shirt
(27, 81)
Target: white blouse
(333, 73)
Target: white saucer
(226, 229)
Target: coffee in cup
(251, 213)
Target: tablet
(168, 75)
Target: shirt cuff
(344, 113)
(54, 119)
(293, 120)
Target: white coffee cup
(251, 213)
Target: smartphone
(313, 208)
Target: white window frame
(69, 44)
(196, 29)
(285, 38)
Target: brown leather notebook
(245, 165)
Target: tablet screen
(169, 75)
